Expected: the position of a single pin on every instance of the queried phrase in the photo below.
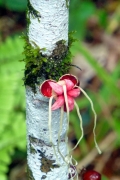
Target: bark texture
(48, 25)
(51, 24)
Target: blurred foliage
(105, 95)
(80, 12)
(12, 102)
(104, 178)
(114, 21)
(14, 5)
(12, 95)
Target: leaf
(80, 12)
(12, 106)
(5, 157)
(3, 167)
(3, 176)
(15, 5)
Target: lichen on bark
(46, 164)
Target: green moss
(33, 12)
(49, 67)
(67, 3)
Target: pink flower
(64, 91)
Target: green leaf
(80, 12)
(3, 167)
(3, 176)
(102, 17)
(4, 156)
(16, 5)
(2, 2)
(12, 102)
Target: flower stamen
(81, 126)
(67, 107)
(61, 122)
(95, 119)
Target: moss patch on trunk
(38, 65)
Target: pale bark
(53, 24)
(51, 27)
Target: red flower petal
(70, 77)
(69, 84)
(58, 89)
(46, 89)
(58, 103)
(74, 92)
(70, 104)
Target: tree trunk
(46, 52)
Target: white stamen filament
(67, 107)
(95, 118)
(67, 159)
(61, 122)
(50, 127)
(81, 126)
